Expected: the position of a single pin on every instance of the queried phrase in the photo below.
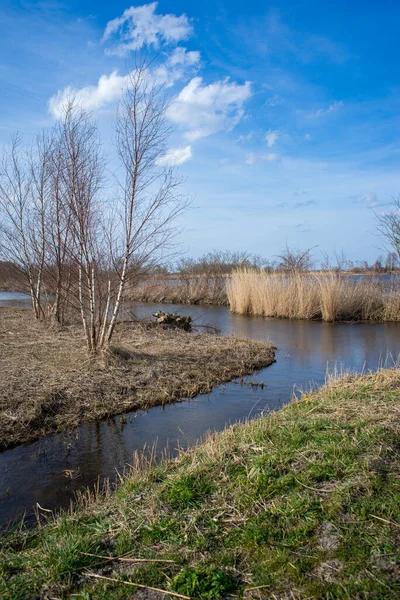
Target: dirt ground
(49, 383)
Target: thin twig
(386, 521)
(148, 587)
(313, 488)
(123, 559)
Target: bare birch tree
(56, 217)
(24, 181)
(149, 200)
(79, 175)
(59, 227)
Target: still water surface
(35, 473)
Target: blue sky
(285, 115)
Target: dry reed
(329, 297)
(193, 289)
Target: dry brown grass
(48, 382)
(313, 296)
(188, 289)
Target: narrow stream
(35, 473)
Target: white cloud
(251, 158)
(175, 156)
(326, 111)
(180, 56)
(205, 109)
(140, 26)
(365, 199)
(109, 88)
(369, 201)
(245, 138)
(307, 136)
(271, 137)
(178, 63)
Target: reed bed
(192, 289)
(329, 297)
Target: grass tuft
(209, 583)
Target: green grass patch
(303, 503)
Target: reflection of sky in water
(34, 473)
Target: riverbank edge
(301, 503)
(49, 384)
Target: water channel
(36, 473)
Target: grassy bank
(303, 503)
(313, 296)
(48, 382)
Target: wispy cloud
(369, 201)
(176, 156)
(242, 139)
(302, 227)
(201, 110)
(274, 101)
(251, 158)
(304, 204)
(271, 137)
(321, 112)
(141, 26)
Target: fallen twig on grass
(124, 559)
(308, 487)
(386, 521)
(147, 587)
